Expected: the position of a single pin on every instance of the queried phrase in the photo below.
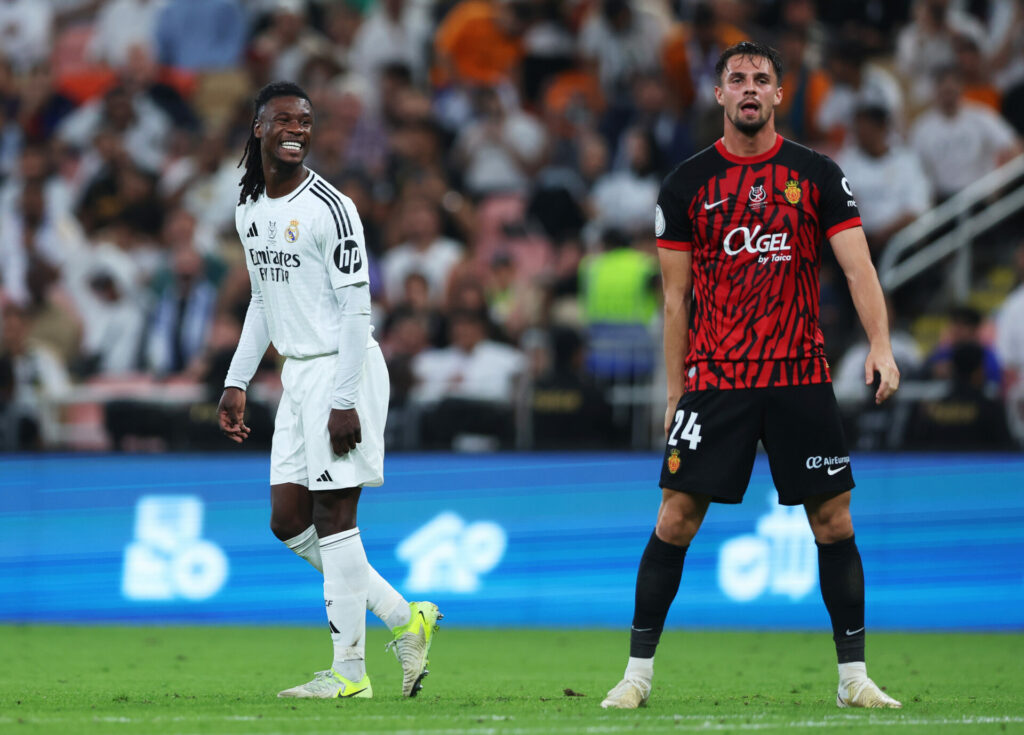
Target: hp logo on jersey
(347, 257)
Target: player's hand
(231, 412)
(344, 430)
(670, 412)
(882, 362)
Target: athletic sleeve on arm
(672, 224)
(345, 251)
(253, 343)
(838, 208)
(353, 332)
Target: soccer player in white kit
(306, 256)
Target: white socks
(640, 668)
(307, 545)
(853, 671)
(345, 583)
(382, 599)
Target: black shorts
(713, 441)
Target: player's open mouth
(751, 106)
(291, 145)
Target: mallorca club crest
(757, 196)
(793, 192)
(292, 233)
(673, 462)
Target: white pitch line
(679, 723)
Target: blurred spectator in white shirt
(623, 199)
(501, 149)
(393, 32)
(621, 40)
(183, 313)
(926, 45)
(104, 285)
(423, 250)
(468, 388)
(887, 179)
(26, 28)
(1009, 342)
(37, 377)
(289, 42)
(141, 126)
(848, 378)
(855, 82)
(122, 24)
(205, 183)
(36, 164)
(960, 141)
(472, 367)
(35, 244)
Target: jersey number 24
(690, 432)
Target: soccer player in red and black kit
(740, 228)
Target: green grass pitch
(210, 680)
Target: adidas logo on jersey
(325, 477)
(252, 231)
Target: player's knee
(832, 528)
(675, 527)
(286, 526)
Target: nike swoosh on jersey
(712, 205)
(836, 470)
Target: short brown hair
(750, 48)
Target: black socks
(657, 582)
(842, 587)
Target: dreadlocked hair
(252, 181)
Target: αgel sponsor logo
(754, 242)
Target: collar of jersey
(285, 197)
(720, 147)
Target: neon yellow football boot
(331, 685)
(412, 644)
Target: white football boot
(630, 693)
(864, 693)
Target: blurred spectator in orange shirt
(480, 42)
(978, 87)
(805, 87)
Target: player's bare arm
(677, 285)
(851, 249)
(231, 414)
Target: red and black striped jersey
(755, 228)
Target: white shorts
(301, 449)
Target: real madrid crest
(292, 233)
(793, 191)
(673, 462)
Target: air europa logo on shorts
(743, 238)
(814, 463)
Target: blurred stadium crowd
(505, 157)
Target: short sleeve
(345, 246)
(1000, 132)
(672, 224)
(239, 221)
(838, 207)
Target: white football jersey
(298, 249)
